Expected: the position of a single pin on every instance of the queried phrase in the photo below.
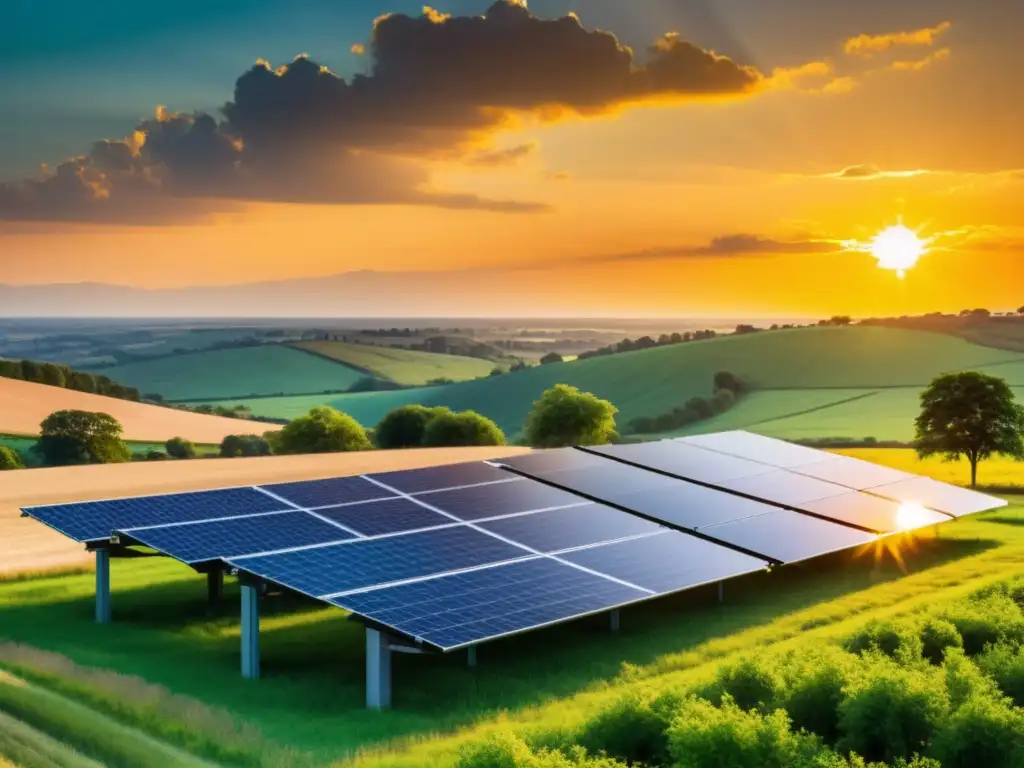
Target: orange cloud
(358, 49)
(919, 64)
(868, 45)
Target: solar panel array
(456, 555)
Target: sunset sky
(665, 157)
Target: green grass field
(24, 446)
(167, 668)
(654, 381)
(265, 370)
(402, 366)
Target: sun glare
(911, 515)
(897, 248)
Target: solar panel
(607, 481)
(747, 445)
(323, 493)
(390, 515)
(202, 542)
(880, 515)
(452, 611)
(484, 501)
(684, 460)
(543, 463)
(788, 488)
(437, 478)
(853, 473)
(363, 563)
(96, 520)
(935, 495)
(690, 506)
(788, 537)
(573, 527)
(667, 562)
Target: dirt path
(26, 545)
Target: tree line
(57, 375)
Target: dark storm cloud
(437, 87)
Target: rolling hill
(653, 381)
(402, 366)
(24, 405)
(223, 373)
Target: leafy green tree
(180, 448)
(10, 369)
(323, 430)
(10, 458)
(565, 416)
(723, 400)
(970, 415)
(82, 382)
(404, 426)
(551, 357)
(81, 437)
(448, 430)
(236, 446)
(730, 381)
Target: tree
(723, 400)
(10, 459)
(404, 427)
(565, 416)
(323, 430)
(180, 448)
(449, 430)
(730, 381)
(1020, 311)
(551, 357)
(81, 437)
(970, 415)
(236, 446)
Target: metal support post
(250, 632)
(721, 591)
(378, 670)
(214, 587)
(613, 620)
(103, 586)
(471, 656)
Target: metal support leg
(378, 670)
(721, 591)
(471, 656)
(613, 620)
(103, 586)
(250, 632)
(214, 587)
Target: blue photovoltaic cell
(690, 506)
(573, 527)
(667, 562)
(364, 563)
(96, 520)
(787, 488)
(482, 501)
(323, 493)
(767, 450)
(684, 460)
(387, 516)
(610, 480)
(436, 478)
(544, 463)
(452, 611)
(198, 542)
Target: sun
(911, 515)
(897, 248)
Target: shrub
(703, 736)
(236, 446)
(894, 640)
(937, 636)
(10, 459)
(180, 448)
(446, 429)
(322, 430)
(987, 620)
(81, 437)
(891, 711)
(964, 680)
(551, 357)
(983, 732)
(816, 691)
(404, 427)
(564, 416)
(634, 729)
(1005, 664)
(752, 683)
(155, 456)
(507, 750)
(723, 400)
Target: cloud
(724, 246)
(437, 87)
(917, 65)
(504, 158)
(867, 46)
(871, 171)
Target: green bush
(180, 448)
(895, 640)
(964, 680)
(986, 620)
(752, 683)
(564, 416)
(238, 446)
(983, 733)
(81, 437)
(1004, 663)
(892, 711)
(817, 689)
(322, 430)
(507, 750)
(633, 729)
(449, 430)
(937, 636)
(404, 427)
(705, 736)
(10, 459)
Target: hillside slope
(266, 370)
(653, 381)
(24, 405)
(402, 366)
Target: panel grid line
(508, 541)
(327, 520)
